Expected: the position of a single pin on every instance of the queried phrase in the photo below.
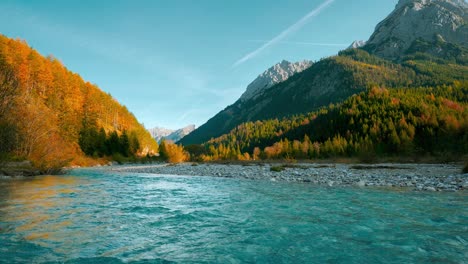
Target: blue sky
(178, 62)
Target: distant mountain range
(160, 133)
(398, 54)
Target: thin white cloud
(303, 43)
(185, 114)
(296, 26)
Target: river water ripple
(97, 216)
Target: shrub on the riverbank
(172, 153)
(117, 157)
(277, 168)
(465, 169)
(8, 137)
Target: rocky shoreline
(420, 177)
(18, 170)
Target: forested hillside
(420, 43)
(379, 122)
(331, 80)
(47, 112)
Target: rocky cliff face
(422, 20)
(159, 133)
(357, 44)
(276, 74)
(180, 133)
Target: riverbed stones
(420, 177)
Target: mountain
(325, 82)
(180, 133)
(225, 120)
(418, 62)
(328, 81)
(52, 117)
(357, 44)
(274, 75)
(420, 25)
(160, 133)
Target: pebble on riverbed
(420, 177)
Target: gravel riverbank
(421, 177)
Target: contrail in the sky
(285, 33)
(303, 43)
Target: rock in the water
(361, 183)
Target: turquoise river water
(97, 216)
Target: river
(100, 216)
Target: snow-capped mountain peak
(357, 44)
(160, 133)
(280, 72)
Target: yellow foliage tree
(173, 153)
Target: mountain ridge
(160, 133)
(279, 72)
(423, 20)
(334, 79)
(357, 44)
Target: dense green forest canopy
(380, 121)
